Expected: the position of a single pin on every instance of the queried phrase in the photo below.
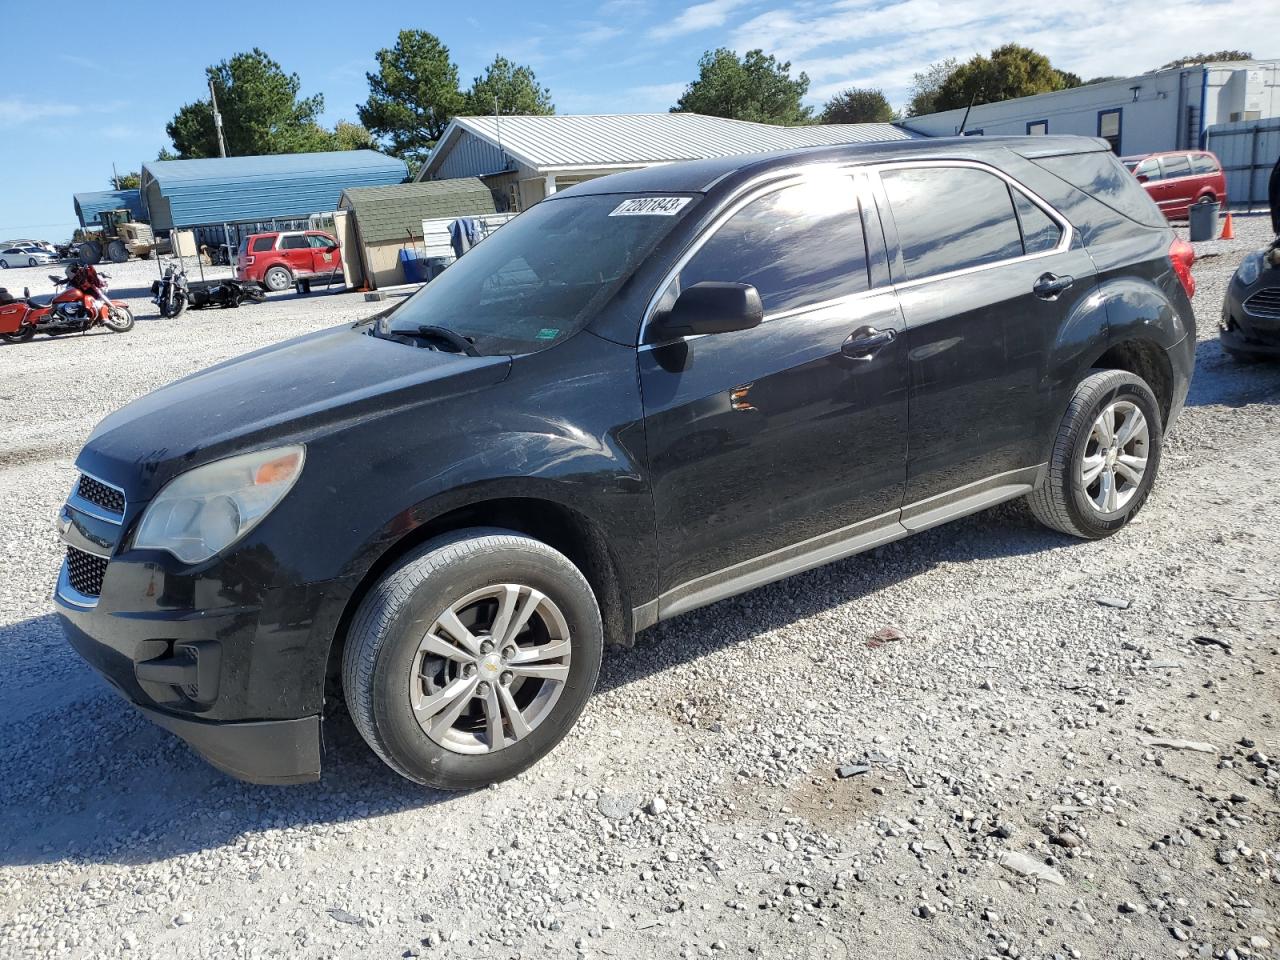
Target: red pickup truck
(278, 259)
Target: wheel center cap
(1112, 456)
(491, 665)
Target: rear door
(769, 446)
(297, 254)
(987, 276)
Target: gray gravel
(1024, 793)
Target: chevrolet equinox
(650, 391)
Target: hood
(286, 393)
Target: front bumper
(259, 751)
(1247, 330)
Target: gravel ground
(1068, 752)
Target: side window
(1176, 165)
(294, 241)
(1149, 168)
(263, 244)
(949, 218)
(1203, 163)
(319, 241)
(798, 246)
(1039, 231)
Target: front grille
(85, 572)
(1265, 303)
(97, 492)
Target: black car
(646, 393)
(1250, 325)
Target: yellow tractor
(121, 237)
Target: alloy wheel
(1115, 457)
(490, 669)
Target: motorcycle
(171, 292)
(83, 305)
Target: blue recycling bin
(415, 270)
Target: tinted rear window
(1203, 163)
(263, 243)
(950, 218)
(1103, 177)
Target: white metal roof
(549, 144)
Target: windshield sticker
(548, 333)
(650, 207)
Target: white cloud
(864, 43)
(16, 111)
(700, 16)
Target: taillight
(1182, 255)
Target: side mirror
(709, 307)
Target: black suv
(648, 392)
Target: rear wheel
(469, 661)
(277, 279)
(22, 336)
(1104, 458)
(4, 264)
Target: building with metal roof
(525, 159)
(389, 218)
(90, 205)
(217, 190)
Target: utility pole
(217, 121)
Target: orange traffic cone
(1227, 232)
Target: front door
(775, 448)
(987, 278)
(298, 254)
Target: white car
(25, 255)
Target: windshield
(541, 277)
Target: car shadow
(84, 777)
(1220, 380)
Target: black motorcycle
(171, 293)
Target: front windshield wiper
(456, 340)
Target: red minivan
(1179, 178)
(276, 260)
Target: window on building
(293, 241)
(1175, 165)
(1109, 123)
(1037, 128)
(950, 218)
(797, 246)
(1039, 231)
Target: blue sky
(63, 120)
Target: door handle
(865, 341)
(1050, 285)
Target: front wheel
(119, 320)
(470, 660)
(1104, 458)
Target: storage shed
(217, 190)
(525, 159)
(89, 205)
(389, 218)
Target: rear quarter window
(1101, 176)
(262, 244)
(1204, 164)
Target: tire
(91, 253)
(1065, 501)
(4, 264)
(120, 320)
(117, 252)
(22, 336)
(384, 671)
(31, 261)
(277, 279)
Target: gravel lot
(1047, 774)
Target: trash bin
(415, 270)
(1204, 221)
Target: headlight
(211, 507)
(1249, 268)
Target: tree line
(416, 90)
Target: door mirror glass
(709, 307)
